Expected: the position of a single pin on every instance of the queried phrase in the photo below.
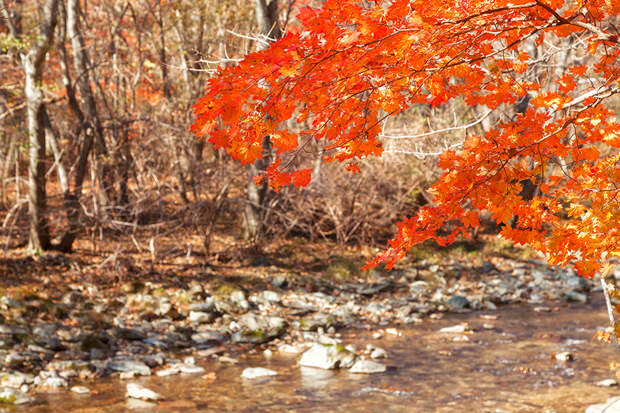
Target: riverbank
(54, 336)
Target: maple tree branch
(435, 132)
(253, 38)
(492, 11)
(602, 36)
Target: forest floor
(126, 308)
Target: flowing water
(507, 365)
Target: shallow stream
(507, 364)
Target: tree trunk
(92, 125)
(33, 63)
(257, 197)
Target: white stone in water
(326, 357)
(171, 371)
(564, 356)
(12, 396)
(80, 389)
(367, 367)
(226, 359)
(189, 360)
(256, 372)
(610, 406)
(191, 369)
(459, 328)
(393, 332)
(607, 383)
(378, 353)
(136, 391)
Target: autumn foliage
(353, 64)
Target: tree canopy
(349, 65)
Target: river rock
(266, 297)
(367, 367)
(607, 383)
(459, 328)
(378, 353)
(131, 334)
(80, 389)
(564, 356)
(137, 391)
(457, 302)
(15, 379)
(279, 281)
(171, 371)
(201, 317)
(208, 306)
(577, 284)
(327, 357)
(12, 396)
(130, 366)
(576, 296)
(207, 337)
(50, 379)
(190, 369)
(610, 406)
(256, 372)
(257, 329)
(234, 303)
(320, 320)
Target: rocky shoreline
(143, 329)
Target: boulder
(12, 396)
(137, 391)
(367, 367)
(257, 372)
(327, 357)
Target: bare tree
(33, 62)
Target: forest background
(97, 157)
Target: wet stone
(130, 366)
(50, 379)
(576, 296)
(607, 383)
(207, 337)
(378, 353)
(190, 369)
(171, 371)
(564, 356)
(459, 328)
(578, 284)
(13, 396)
(15, 379)
(137, 391)
(80, 389)
(457, 302)
(367, 367)
(257, 372)
(610, 406)
(327, 357)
